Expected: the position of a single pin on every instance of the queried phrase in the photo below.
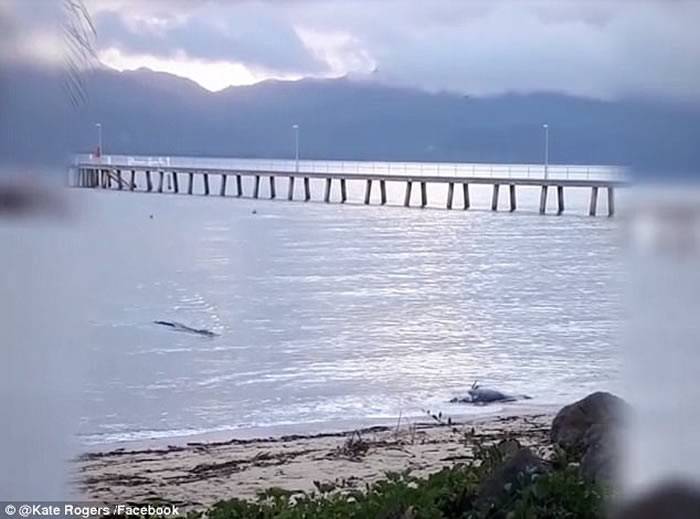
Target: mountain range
(154, 113)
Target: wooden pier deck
(181, 179)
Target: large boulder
(571, 424)
(600, 458)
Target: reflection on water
(330, 313)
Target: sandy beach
(197, 474)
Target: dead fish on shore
(482, 396)
(179, 327)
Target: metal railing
(349, 168)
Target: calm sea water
(330, 315)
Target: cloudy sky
(598, 48)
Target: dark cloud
(252, 36)
(597, 48)
(602, 48)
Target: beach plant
(354, 447)
(556, 495)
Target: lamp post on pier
(99, 140)
(296, 147)
(546, 150)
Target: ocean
(331, 316)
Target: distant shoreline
(331, 427)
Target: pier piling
(256, 186)
(560, 200)
(307, 190)
(343, 191)
(543, 200)
(119, 180)
(290, 190)
(368, 192)
(206, 184)
(161, 175)
(176, 187)
(273, 194)
(382, 191)
(513, 201)
(494, 197)
(407, 198)
(327, 193)
(239, 186)
(423, 194)
(450, 194)
(594, 201)
(149, 185)
(467, 203)
(222, 191)
(611, 201)
(190, 186)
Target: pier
(127, 174)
